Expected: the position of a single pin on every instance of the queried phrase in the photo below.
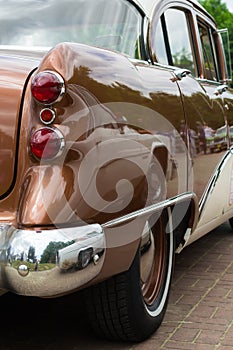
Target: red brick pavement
(199, 315)
(200, 311)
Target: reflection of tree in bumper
(39, 256)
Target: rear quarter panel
(113, 116)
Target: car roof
(148, 5)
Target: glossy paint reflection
(13, 74)
(111, 146)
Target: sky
(229, 4)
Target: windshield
(112, 24)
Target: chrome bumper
(47, 263)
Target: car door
(176, 41)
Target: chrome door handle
(180, 74)
(221, 89)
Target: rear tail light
(47, 87)
(47, 115)
(47, 143)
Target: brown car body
(132, 167)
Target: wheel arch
(161, 154)
(184, 220)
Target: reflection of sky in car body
(41, 239)
(229, 4)
(33, 23)
(181, 51)
(181, 47)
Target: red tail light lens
(47, 115)
(47, 87)
(47, 143)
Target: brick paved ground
(200, 311)
(199, 315)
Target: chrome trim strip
(210, 82)
(138, 61)
(150, 209)
(214, 179)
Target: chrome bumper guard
(47, 263)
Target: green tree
(50, 253)
(219, 11)
(31, 254)
(222, 16)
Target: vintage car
(221, 139)
(101, 182)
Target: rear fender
(45, 195)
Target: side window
(160, 47)
(222, 41)
(207, 43)
(172, 42)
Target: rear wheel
(131, 305)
